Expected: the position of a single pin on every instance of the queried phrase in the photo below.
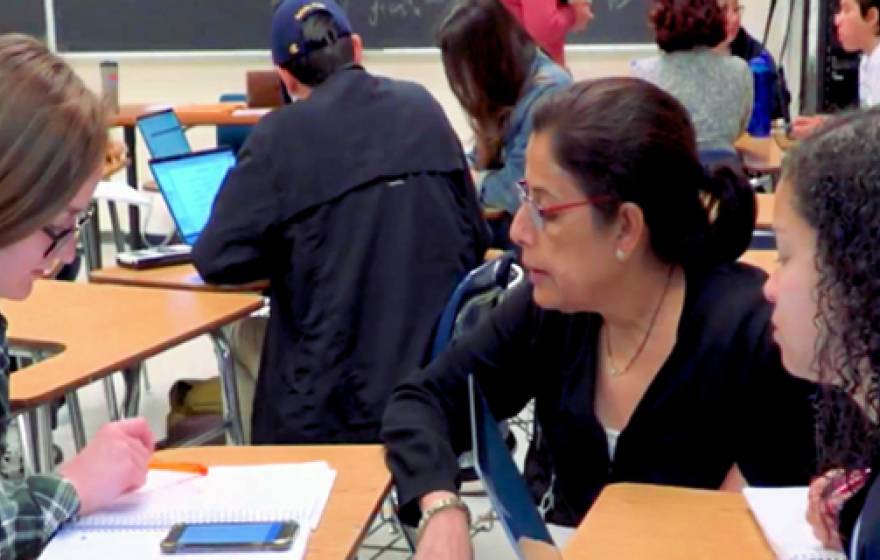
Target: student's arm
(31, 510)
(427, 422)
(233, 248)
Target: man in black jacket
(739, 43)
(356, 202)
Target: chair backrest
(232, 135)
(477, 293)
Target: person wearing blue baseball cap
(357, 203)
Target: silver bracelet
(437, 507)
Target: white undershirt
(869, 78)
(612, 436)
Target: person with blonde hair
(52, 141)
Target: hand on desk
(446, 535)
(113, 463)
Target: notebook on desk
(163, 134)
(137, 522)
(510, 497)
(782, 515)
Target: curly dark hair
(835, 178)
(683, 25)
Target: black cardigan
(722, 397)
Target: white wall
(201, 79)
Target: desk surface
(102, 329)
(362, 481)
(766, 204)
(191, 114)
(641, 521)
(762, 155)
(178, 277)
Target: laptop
(510, 497)
(163, 134)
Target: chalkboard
(195, 25)
(23, 16)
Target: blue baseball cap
(287, 31)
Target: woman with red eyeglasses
(644, 344)
(52, 140)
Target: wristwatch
(440, 505)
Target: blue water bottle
(762, 71)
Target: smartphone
(229, 537)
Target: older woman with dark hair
(644, 344)
(826, 292)
(716, 89)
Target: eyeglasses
(61, 238)
(538, 214)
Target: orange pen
(195, 468)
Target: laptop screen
(163, 134)
(189, 184)
(505, 486)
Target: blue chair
(233, 135)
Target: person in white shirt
(858, 29)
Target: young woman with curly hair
(826, 292)
(715, 88)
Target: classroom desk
(362, 481)
(175, 277)
(766, 205)
(760, 155)
(643, 521)
(90, 331)
(763, 259)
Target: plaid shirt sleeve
(31, 509)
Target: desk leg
(110, 398)
(43, 416)
(28, 444)
(229, 385)
(118, 239)
(131, 402)
(136, 239)
(76, 420)
(91, 238)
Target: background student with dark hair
(716, 89)
(52, 138)
(738, 42)
(357, 203)
(858, 30)
(644, 344)
(497, 73)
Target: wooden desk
(642, 521)
(195, 114)
(760, 155)
(92, 331)
(763, 259)
(177, 277)
(766, 205)
(362, 481)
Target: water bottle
(762, 71)
(110, 85)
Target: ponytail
(731, 212)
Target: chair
(232, 135)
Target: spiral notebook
(782, 515)
(226, 494)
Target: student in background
(738, 42)
(52, 137)
(643, 342)
(497, 73)
(827, 315)
(357, 204)
(716, 89)
(858, 30)
(549, 21)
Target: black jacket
(746, 47)
(722, 397)
(357, 204)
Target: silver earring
(620, 254)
